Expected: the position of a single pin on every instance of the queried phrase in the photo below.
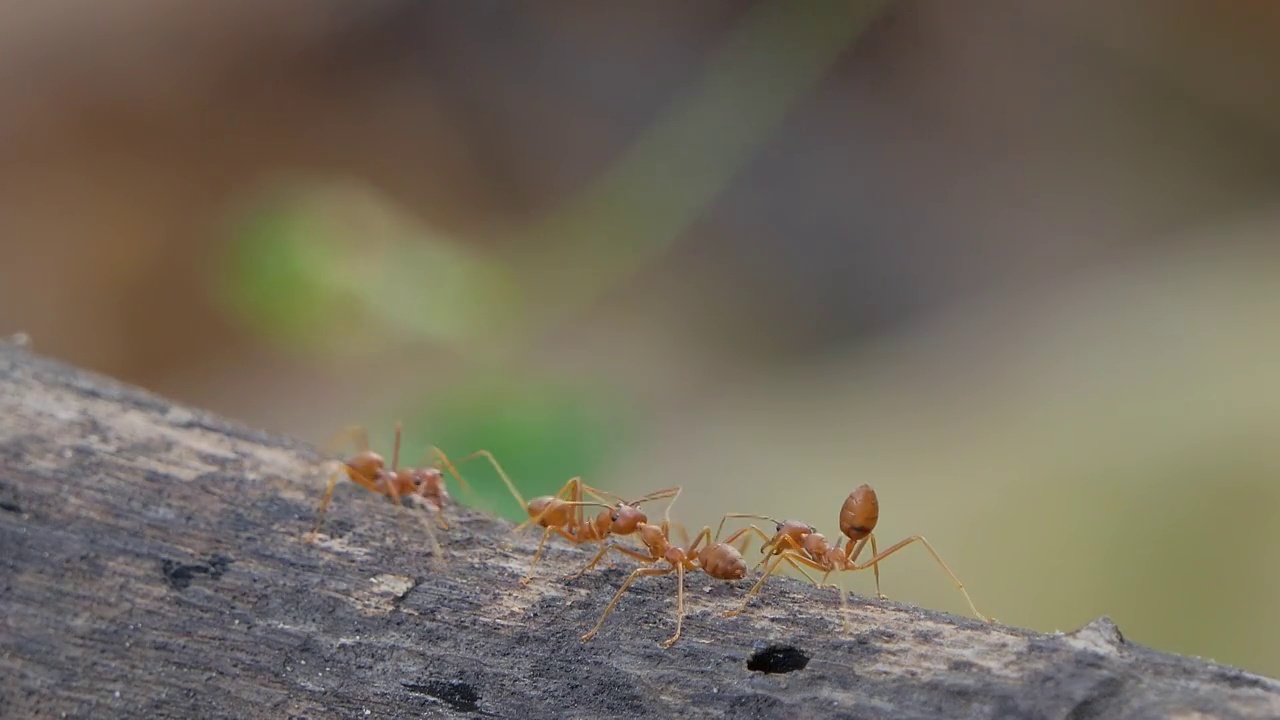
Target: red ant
(563, 514)
(800, 545)
(720, 560)
(369, 470)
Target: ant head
(427, 476)
(794, 528)
(367, 464)
(626, 518)
(814, 543)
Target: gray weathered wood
(151, 565)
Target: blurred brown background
(1009, 261)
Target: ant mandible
(720, 560)
(563, 514)
(369, 470)
(800, 546)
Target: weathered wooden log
(152, 565)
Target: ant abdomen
(550, 511)
(860, 513)
(367, 464)
(723, 562)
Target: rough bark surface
(152, 565)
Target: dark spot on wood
(777, 659)
(756, 705)
(179, 575)
(1241, 679)
(338, 527)
(456, 694)
(10, 507)
(278, 511)
(927, 637)
(220, 461)
(1102, 702)
(962, 665)
(881, 634)
(1043, 646)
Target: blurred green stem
(651, 196)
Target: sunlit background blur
(1010, 261)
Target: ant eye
(614, 517)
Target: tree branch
(153, 566)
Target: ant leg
(511, 486)
(324, 505)
(799, 562)
(792, 557)
(354, 434)
(920, 539)
(538, 554)
(804, 572)
(395, 452)
(756, 588)
(691, 548)
(602, 498)
(671, 492)
(876, 569)
(852, 553)
(442, 462)
(743, 531)
(394, 493)
(501, 473)
(437, 552)
(679, 604)
(538, 519)
(638, 572)
(571, 489)
(328, 495)
(604, 551)
(446, 464)
(770, 544)
(720, 529)
(684, 534)
(546, 534)
(568, 490)
(438, 514)
(606, 496)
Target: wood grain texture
(151, 565)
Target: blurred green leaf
(275, 280)
(437, 290)
(301, 267)
(541, 434)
